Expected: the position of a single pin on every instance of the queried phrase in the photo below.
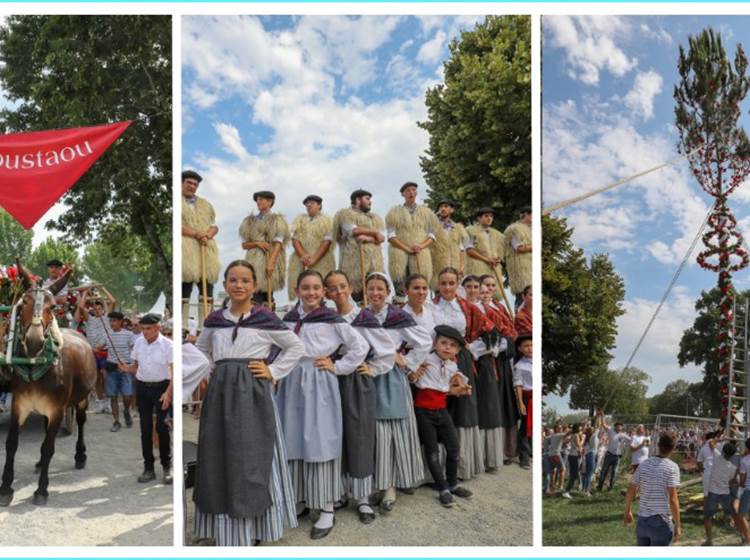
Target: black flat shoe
(365, 517)
(303, 513)
(316, 534)
(340, 504)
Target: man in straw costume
(359, 233)
(198, 230)
(518, 253)
(264, 237)
(450, 242)
(411, 230)
(312, 241)
(485, 247)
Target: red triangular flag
(37, 168)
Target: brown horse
(65, 383)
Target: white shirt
(744, 468)
(416, 338)
(639, 455)
(426, 319)
(439, 374)
(195, 368)
(722, 472)
(153, 359)
(381, 344)
(706, 456)
(450, 313)
(615, 441)
(522, 374)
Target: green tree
(619, 392)
(68, 71)
(680, 398)
(581, 301)
(14, 239)
(50, 249)
(479, 121)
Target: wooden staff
(362, 271)
(499, 281)
(416, 258)
(268, 283)
(204, 287)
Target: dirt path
(100, 505)
(499, 514)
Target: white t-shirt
(745, 469)
(153, 359)
(721, 473)
(639, 455)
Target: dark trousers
(574, 462)
(611, 462)
(147, 397)
(436, 426)
(187, 289)
(524, 441)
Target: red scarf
(523, 321)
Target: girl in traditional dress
(466, 318)
(358, 394)
(310, 401)
(485, 349)
(418, 304)
(398, 457)
(243, 491)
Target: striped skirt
(471, 453)
(242, 531)
(492, 441)
(398, 455)
(316, 484)
(356, 488)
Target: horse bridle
(40, 298)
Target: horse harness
(31, 369)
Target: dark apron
(463, 409)
(509, 414)
(488, 395)
(235, 443)
(358, 408)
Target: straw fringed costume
(410, 228)
(518, 265)
(358, 404)
(271, 228)
(311, 233)
(467, 318)
(349, 248)
(199, 216)
(309, 403)
(243, 490)
(490, 243)
(450, 242)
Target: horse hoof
(39, 499)
(80, 464)
(6, 499)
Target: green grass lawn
(597, 521)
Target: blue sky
(311, 104)
(608, 112)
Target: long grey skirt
(471, 453)
(492, 441)
(316, 484)
(241, 531)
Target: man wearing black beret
(518, 253)
(450, 241)
(312, 241)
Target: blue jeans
(589, 474)
(745, 502)
(610, 466)
(654, 531)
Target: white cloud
(432, 51)
(590, 45)
(640, 99)
(657, 34)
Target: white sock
(363, 505)
(390, 495)
(326, 519)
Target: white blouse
(323, 339)
(450, 313)
(426, 319)
(498, 347)
(251, 344)
(383, 347)
(417, 339)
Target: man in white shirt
(615, 441)
(745, 481)
(638, 447)
(152, 365)
(706, 461)
(723, 473)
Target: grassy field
(598, 521)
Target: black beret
(449, 202)
(484, 210)
(264, 194)
(358, 194)
(524, 210)
(115, 315)
(314, 198)
(450, 332)
(190, 174)
(54, 262)
(522, 338)
(150, 319)
(407, 185)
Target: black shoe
(461, 492)
(128, 419)
(507, 461)
(316, 533)
(340, 504)
(167, 476)
(446, 499)
(365, 517)
(115, 426)
(147, 476)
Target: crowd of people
(372, 381)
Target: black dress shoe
(303, 513)
(340, 504)
(147, 476)
(316, 534)
(365, 517)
